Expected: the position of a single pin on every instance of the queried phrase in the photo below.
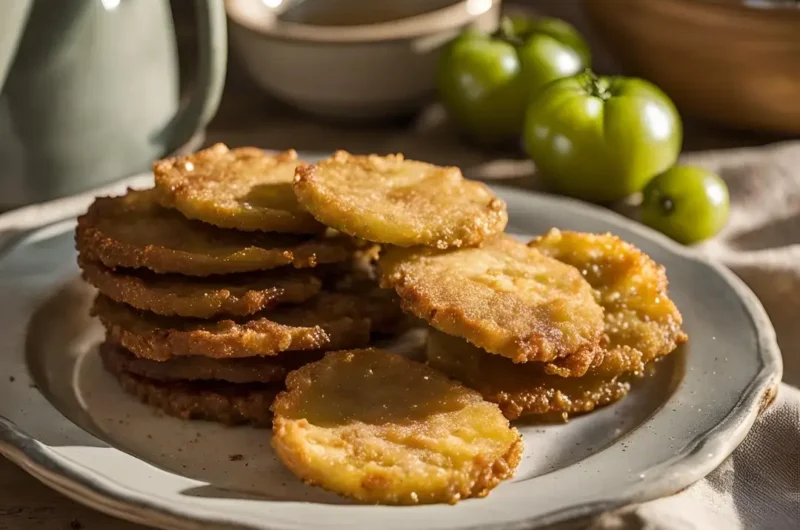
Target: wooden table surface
(247, 116)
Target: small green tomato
(689, 204)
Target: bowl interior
(356, 12)
(355, 21)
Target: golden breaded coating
(524, 389)
(641, 322)
(134, 231)
(227, 403)
(388, 199)
(272, 369)
(243, 188)
(172, 294)
(379, 428)
(504, 297)
(329, 321)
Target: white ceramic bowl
(362, 71)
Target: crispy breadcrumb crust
(503, 297)
(328, 321)
(175, 295)
(134, 231)
(641, 321)
(243, 188)
(389, 199)
(524, 389)
(379, 428)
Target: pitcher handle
(212, 39)
(12, 25)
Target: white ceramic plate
(65, 421)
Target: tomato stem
(507, 33)
(595, 85)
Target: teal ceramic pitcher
(89, 91)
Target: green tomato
(689, 204)
(485, 81)
(601, 138)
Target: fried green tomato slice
(227, 403)
(641, 321)
(388, 199)
(379, 428)
(172, 294)
(134, 231)
(244, 188)
(526, 389)
(328, 321)
(503, 297)
(265, 369)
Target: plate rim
(690, 464)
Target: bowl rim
(249, 15)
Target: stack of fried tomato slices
(222, 287)
(215, 284)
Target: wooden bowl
(722, 60)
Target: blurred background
(684, 43)
(95, 90)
